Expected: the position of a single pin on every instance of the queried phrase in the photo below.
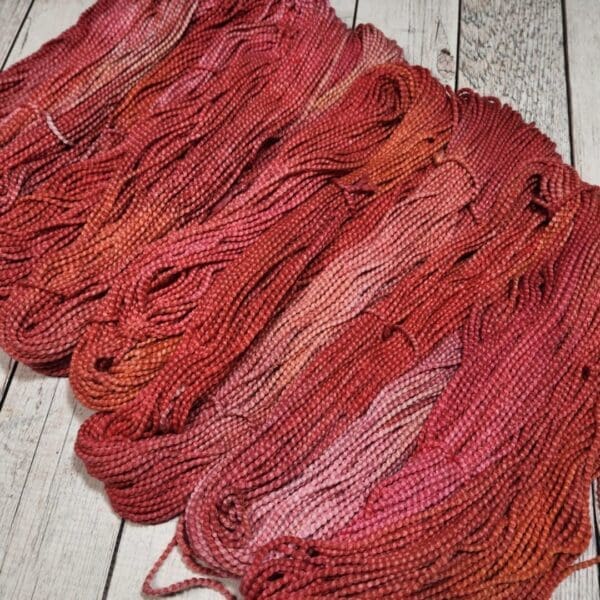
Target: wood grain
(582, 25)
(514, 50)
(427, 30)
(583, 35)
(12, 13)
(345, 10)
(57, 531)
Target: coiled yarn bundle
(339, 319)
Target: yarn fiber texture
(340, 320)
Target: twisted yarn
(52, 217)
(340, 320)
(277, 258)
(435, 519)
(50, 125)
(153, 302)
(340, 382)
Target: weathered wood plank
(57, 533)
(427, 30)
(6, 368)
(514, 50)
(12, 13)
(345, 10)
(46, 20)
(582, 25)
(583, 36)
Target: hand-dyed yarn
(320, 500)
(323, 303)
(54, 214)
(264, 271)
(53, 124)
(433, 530)
(179, 171)
(152, 302)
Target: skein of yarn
(139, 488)
(319, 501)
(195, 149)
(343, 378)
(53, 124)
(435, 519)
(273, 274)
(52, 216)
(341, 321)
(152, 302)
(135, 484)
(98, 444)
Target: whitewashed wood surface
(59, 538)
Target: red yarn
(524, 425)
(129, 486)
(240, 300)
(179, 170)
(151, 303)
(53, 124)
(341, 320)
(52, 217)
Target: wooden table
(59, 538)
